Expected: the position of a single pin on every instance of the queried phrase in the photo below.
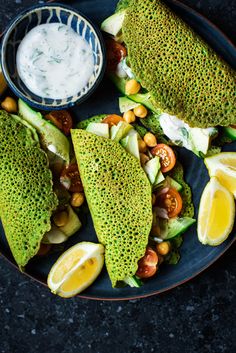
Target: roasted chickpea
(150, 139)
(77, 199)
(140, 111)
(129, 116)
(142, 146)
(9, 104)
(132, 87)
(60, 219)
(163, 248)
(143, 158)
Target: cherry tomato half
(62, 119)
(171, 201)
(70, 178)
(112, 119)
(115, 53)
(147, 265)
(44, 249)
(167, 156)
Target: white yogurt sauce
(54, 61)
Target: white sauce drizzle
(54, 61)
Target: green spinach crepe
(119, 190)
(187, 86)
(184, 75)
(27, 199)
(120, 201)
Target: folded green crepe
(184, 76)
(119, 196)
(27, 199)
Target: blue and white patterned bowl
(42, 14)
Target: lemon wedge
(223, 166)
(216, 214)
(3, 84)
(76, 269)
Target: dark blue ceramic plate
(194, 256)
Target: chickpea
(60, 219)
(143, 158)
(9, 104)
(140, 111)
(129, 116)
(77, 199)
(142, 146)
(163, 248)
(150, 139)
(132, 87)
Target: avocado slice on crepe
(119, 196)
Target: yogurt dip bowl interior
(48, 14)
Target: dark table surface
(197, 317)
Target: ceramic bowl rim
(16, 90)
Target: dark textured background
(197, 317)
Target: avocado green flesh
(99, 129)
(174, 183)
(27, 200)
(113, 24)
(230, 132)
(176, 226)
(52, 138)
(183, 75)
(119, 196)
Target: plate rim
(185, 280)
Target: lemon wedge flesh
(216, 214)
(223, 166)
(76, 269)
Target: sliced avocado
(126, 104)
(30, 127)
(175, 226)
(202, 139)
(130, 143)
(113, 24)
(152, 168)
(174, 184)
(133, 282)
(99, 129)
(230, 132)
(54, 236)
(141, 98)
(52, 138)
(120, 130)
(73, 224)
(159, 179)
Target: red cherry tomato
(112, 119)
(61, 119)
(70, 178)
(166, 155)
(147, 265)
(115, 53)
(171, 201)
